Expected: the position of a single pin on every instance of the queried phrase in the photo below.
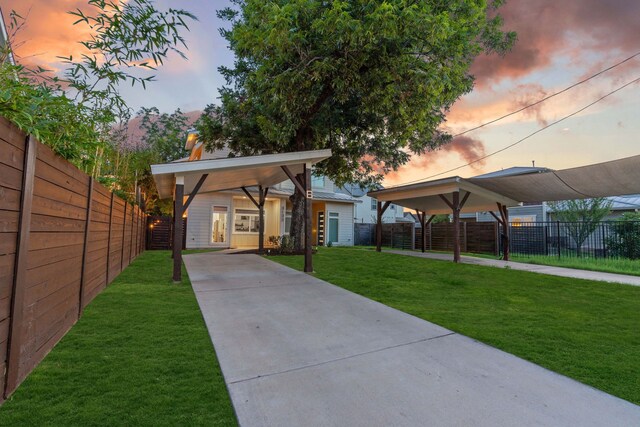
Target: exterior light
(192, 138)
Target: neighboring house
(230, 220)
(542, 212)
(366, 212)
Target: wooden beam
(300, 186)
(177, 231)
(251, 197)
(430, 219)
(444, 199)
(14, 345)
(496, 217)
(308, 250)
(464, 200)
(195, 190)
(384, 207)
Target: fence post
(109, 238)
(430, 236)
(133, 235)
(604, 240)
(558, 231)
(14, 344)
(83, 274)
(124, 229)
(464, 236)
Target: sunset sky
(559, 43)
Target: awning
(614, 178)
(427, 196)
(233, 172)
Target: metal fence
(607, 239)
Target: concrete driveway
(297, 351)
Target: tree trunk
(296, 232)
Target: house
(366, 211)
(229, 219)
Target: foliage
(581, 216)
(582, 329)
(284, 245)
(75, 113)
(440, 218)
(370, 80)
(38, 109)
(165, 133)
(140, 355)
(626, 240)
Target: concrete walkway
(543, 269)
(297, 351)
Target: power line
(526, 137)
(549, 96)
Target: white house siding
(345, 222)
(199, 220)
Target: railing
(607, 239)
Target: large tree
(370, 79)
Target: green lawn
(586, 330)
(608, 265)
(140, 355)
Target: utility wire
(526, 137)
(549, 96)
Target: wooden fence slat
(19, 285)
(109, 239)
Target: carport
(455, 194)
(186, 178)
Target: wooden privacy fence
(63, 238)
(399, 235)
(475, 237)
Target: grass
(608, 265)
(589, 331)
(140, 355)
(605, 265)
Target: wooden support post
(504, 214)
(423, 224)
(14, 344)
(177, 230)
(83, 277)
(195, 190)
(308, 249)
(109, 238)
(261, 200)
(456, 226)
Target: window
(287, 222)
(317, 181)
(374, 204)
(333, 227)
(246, 221)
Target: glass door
(219, 224)
(333, 227)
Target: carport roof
(233, 172)
(614, 178)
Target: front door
(219, 225)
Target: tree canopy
(370, 79)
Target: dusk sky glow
(558, 44)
